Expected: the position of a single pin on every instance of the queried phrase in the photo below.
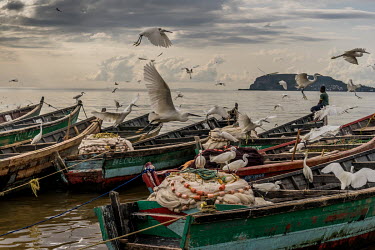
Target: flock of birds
(163, 110)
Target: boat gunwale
(75, 109)
(12, 161)
(289, 165)
(114, 155)
(34, 108)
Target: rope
(205, 174)
(49, 105)
(204, 208)
(84, 111)
(369, 121)
(69, 210)
(34, 181)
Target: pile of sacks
(103, 142)
(183, 191)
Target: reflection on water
(80, 227)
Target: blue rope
(74, 208)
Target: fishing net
(103, 142)
(187, 190)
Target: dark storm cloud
(14, 5)
(119, 19)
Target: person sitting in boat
(233, 112)
(323, 101)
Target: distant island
(271, 82)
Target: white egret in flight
(117, 117)
(161, 99)
(156, 36)
(303, 82)
(351, 55)
(353, 88)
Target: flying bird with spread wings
(156, 36)
(116, 117)
(351, 55)
(190, 71)
(303, 82)
(163, 109)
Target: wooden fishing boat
(130, 129)
(11, 116)
(21, 163)
(283, 133)
(26, 129)
(168, 150)
(279, 157)
(319, 218)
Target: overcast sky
(89, 43)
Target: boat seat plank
(336, 147)
(329, 186)
(359, 165)
(174, 140)
(288, 133)
(195, 132)
(366, 129)
(325, 178)
(307, 125)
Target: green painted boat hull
(113, 169)
(348, 221)
(27, 133)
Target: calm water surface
(80, 227)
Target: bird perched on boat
(38, 137)
(233, 166)
(190, 71)
(227, 136)
(161, 99)
(266, 187)
(118, 105)
(284, 95)
(278, 106)
(114, 90)
(156, 36)
(217, 110)
(247, 125)
(283, 84)
(351, 55)
(303, 82)
(179, 95)
(200, 161)
(220, 84)
(79, 96)
(356, 180)
(353, 87)
(225, 157)
(13, 80)
(117, 117)
(307, 172)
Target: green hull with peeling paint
(27, 133)
(115, 168)
(287, 227)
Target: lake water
(80, 227)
